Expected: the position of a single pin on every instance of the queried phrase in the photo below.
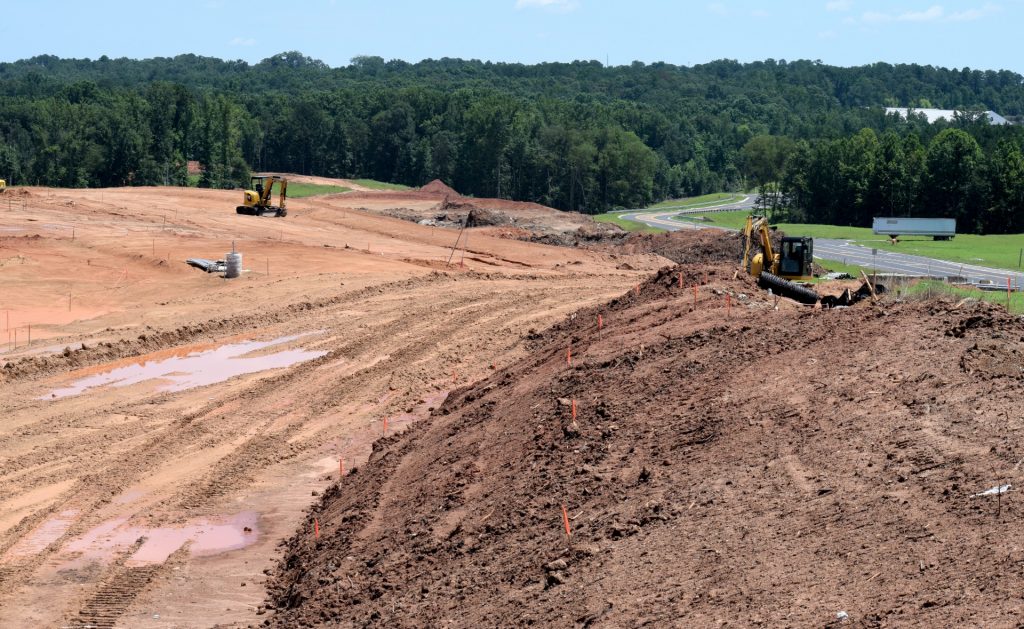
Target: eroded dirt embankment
(729, 463)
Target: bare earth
(529, 435)
(135, 506)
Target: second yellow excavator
(256, 202)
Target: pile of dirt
(713, 461)
(439, 187)
(586, 236)
(482, 217)
(700, 246)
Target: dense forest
(577, 136)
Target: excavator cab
(796, 257)
(256, 202)
(3, 185)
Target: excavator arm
(757, 227)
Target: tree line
(976, 178)
(577, 136)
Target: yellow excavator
(256, 202)
(779, 270)
(792, 262)
(3, 185)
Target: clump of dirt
(585, 236)
(710, 459)
(700, 246)
(482, 217)
(439, 187)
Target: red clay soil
(439, 187)
(733, 465)
(686, 247)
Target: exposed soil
(687, 246)
(437, 204)
(439, 187)
(135, 507)
(728, 465)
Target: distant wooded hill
(576, 135)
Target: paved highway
(847, 252)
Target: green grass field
(716, 198)
(379, 185)
(301, 190)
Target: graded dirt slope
(132, 505)
(728, 465)
(438, 202)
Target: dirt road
(160, 502)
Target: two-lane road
(663, 218)
(845, 251)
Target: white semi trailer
(937, 228)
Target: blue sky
(976, 34)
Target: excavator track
(788, 289)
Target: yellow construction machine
(777, 270)
(3, 185)
(256, 201)
(780, 271)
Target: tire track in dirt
(409, 328)
(117, 590)
(326, 392)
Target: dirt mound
(790, 467)
(439, 187)
(695, 246)
(482, 217)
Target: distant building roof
(934, 115)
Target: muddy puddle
(48, 532)
(195, 369)
(204, 537)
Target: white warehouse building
(935, 115)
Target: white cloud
(238, 41)
(974, 14)
(934, 13)
(557, 6)
(931, 14)
(839, 5)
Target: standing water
(197, 369)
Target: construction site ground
(98, 279)
(530, 434)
